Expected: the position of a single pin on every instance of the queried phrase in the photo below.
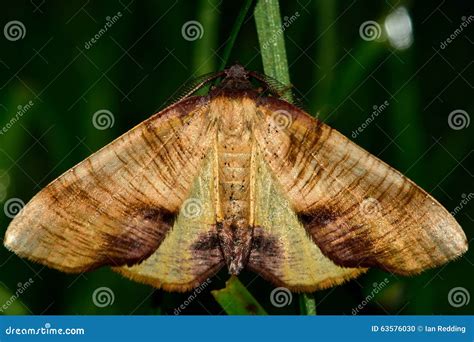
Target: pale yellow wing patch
(190, 252)
(283, 253)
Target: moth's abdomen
(234, 230)
(234, 182)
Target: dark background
(140, 62)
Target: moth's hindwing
(190, 252)
(283, 252)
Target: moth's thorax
(234, 145)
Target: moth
(237, 178)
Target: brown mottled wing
(190, 252)
(357, 209)
(115, 207)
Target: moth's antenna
(277, 89)
(201, 81)
(274, 86)
(194, 85)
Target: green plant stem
(272, 43)
(235, 299)
(307, 304)
(275, 64)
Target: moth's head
(236, 71)
(235, 78)
(237, 81)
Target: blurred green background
(339, 71)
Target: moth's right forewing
(358, 210)
(116, 206)
(282, 252)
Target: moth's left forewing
(357, 209)
(115, 207)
